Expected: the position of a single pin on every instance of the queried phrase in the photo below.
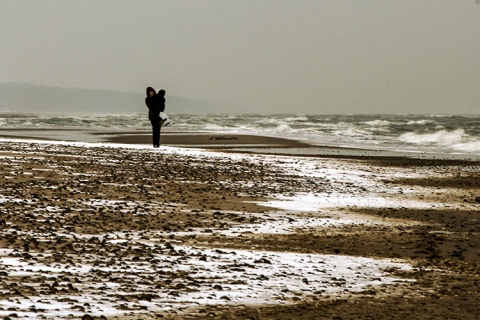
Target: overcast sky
(294, 56)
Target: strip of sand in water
(246, 143)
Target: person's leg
(159, 126)
(159, 133)
(156, 135)
(155, 132)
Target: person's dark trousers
(155, 131)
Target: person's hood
(150, 89)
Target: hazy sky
(295, 56)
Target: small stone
(263, 260)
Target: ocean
(443, 134)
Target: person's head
(150, 92)
(161, 92)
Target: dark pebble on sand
(263, 260)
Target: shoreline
(227, 142)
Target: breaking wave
(456, 140)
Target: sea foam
(456, 140)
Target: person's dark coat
(153, 104)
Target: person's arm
(148, 103)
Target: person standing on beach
(154, 104)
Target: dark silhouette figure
(154, 103)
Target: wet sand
(138, 233)
(168, 138)
(226, 142)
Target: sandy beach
(204, 228)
